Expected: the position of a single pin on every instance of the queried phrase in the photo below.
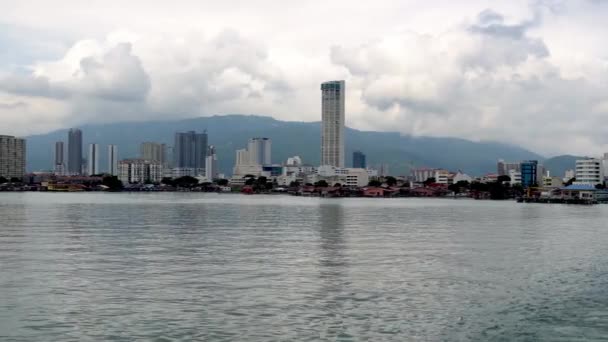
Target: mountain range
(231, 132)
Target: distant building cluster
(191, 156)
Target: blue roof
(580, 187)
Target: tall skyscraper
(211, 171)
(260, 151)
(12, 157)
(332, 123)
(59, 166)
(93, 160)
(75, 151)
(154, 152)
(113, 160)
(190, 151)
(359, 161)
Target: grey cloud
(119, 76)
(498, 85)
(27, 85)
(13, 105)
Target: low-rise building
(515, 177)
(140, 171)
(462, 177)
(441, 176)
(552, 182)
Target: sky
(531, 73)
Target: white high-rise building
(259, 151)
(211, 171)
(113, 160)
(93, 160)
(589, 171)
(242, 157)
(332, 123)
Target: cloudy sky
(532, 73)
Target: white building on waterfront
(140, 171)
(515, 176)
(345, 176)
(589, 171)
(332, 123)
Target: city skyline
(504, 70)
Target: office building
(190, 151)
(359, 161)
(154, 151)
(59, 165)
(12, 157)
(352, 177)
(93, 159)
(529, 173)
(332, 123)
(589, 171)
(113, 160)
(503, 168)
(259, 151)
(75, 151)
(211, 170)
(139, 171)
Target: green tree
(454, 188)
(504, 178)
(374, 182)
(112, 182)
(390, 181)
(429, 181)
(294, 184)
(337, 185)
(321, 184)
(3, 180)
(186, 182)
(167, 181)
(16, 180)
(570, 181)
(249, 181)
(222, 182)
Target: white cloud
(518, 72)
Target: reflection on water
(254, 268)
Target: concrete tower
(332, 123)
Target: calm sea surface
(179, 267)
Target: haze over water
(170, 267)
